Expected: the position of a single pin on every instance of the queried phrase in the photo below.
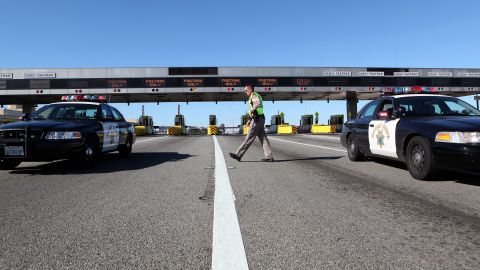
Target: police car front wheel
(90, 152)
(352, 149)
(126, 149)
(420, 162)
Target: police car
(428, 132)
(79, 127)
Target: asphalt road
(311, 209)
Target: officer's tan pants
(257, 128)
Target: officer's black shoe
(267, 159)
(234, 156)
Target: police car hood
(48, 124)
(459, 123)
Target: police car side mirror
(25, 117)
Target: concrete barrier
(212, 130)
(323, 129)
(287, 129)
(175, 130)
(140, 131)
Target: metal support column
(352, 101)
(28, 108)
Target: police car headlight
(63, 135)
(458, 137)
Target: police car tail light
(458, 137)
(63, 135)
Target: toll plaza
(31, 86)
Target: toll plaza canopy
(190, 84)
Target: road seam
(311, 145)
(228, 251)
(140, 141)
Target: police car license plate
(14, 151)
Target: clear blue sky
(165, 33)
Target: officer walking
(257, 126)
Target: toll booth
(306, 122)
(337, 121)
(145, 126)
(275, 121)
(179, 127)
(212, 125)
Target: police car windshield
(436, 106)
(66, 112)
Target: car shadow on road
(107, 164)
(443, 175)
(298, 159)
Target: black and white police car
(79, 127)
(428, 132)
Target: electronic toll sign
(192, 82)
(267, 84)
(155, 83)
(303, 83)
(230, 84)
(117, 83)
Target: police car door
(381, 131)
(122, 125)
(111, 132)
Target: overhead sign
(468, 74)
(231, 82)
(6, 75)
(370, 73)
(406, 74)
(337, 73)
(43, 75)
(440, 74)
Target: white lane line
(320, 137)
(228, 251)
(146, 140)
(310, 145)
